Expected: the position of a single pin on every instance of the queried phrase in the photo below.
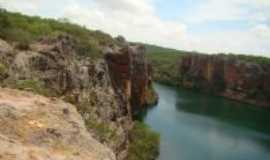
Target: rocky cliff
(105, 91)
(131, 74)
(229, 76)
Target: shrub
(151, 96)
(3, 72)
(3, 69)
(35, 86)
(144, 143)
(102, 130)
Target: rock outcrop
(105, 91)
(228, 76)
(131, 74)
(34, 127)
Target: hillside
(166, 61)
(23, 30)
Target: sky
(212, 26)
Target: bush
(3, 72)
(3, 69)
(151, 96)
(102, 130)
(35, 86)
(144, 143)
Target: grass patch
(144, 143)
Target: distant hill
(165, 61)
(157, 49)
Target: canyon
(105, 91)
(75, 93)
(242, 78)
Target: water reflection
(197, 126)
(232, 112)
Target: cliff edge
(34, 127)
(106, 91)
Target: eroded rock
(131, 74)
(228, 76)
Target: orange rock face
(228, 76)
(130, 74)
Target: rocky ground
(33, 127)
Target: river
(197, 126)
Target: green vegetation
(33, 85)
(3, 69)
(151, 96)
(102, 130)
(250, 58)
(15, 27)
(144, 143)
(164, 62)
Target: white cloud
(253, 41)
(262, 31)
(22, 5)
(138, 6)
(138, 20)
(217, 10)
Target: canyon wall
(131, 74)
(105, 91)
(229, 76)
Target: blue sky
(212, 26)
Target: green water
(196, 126)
